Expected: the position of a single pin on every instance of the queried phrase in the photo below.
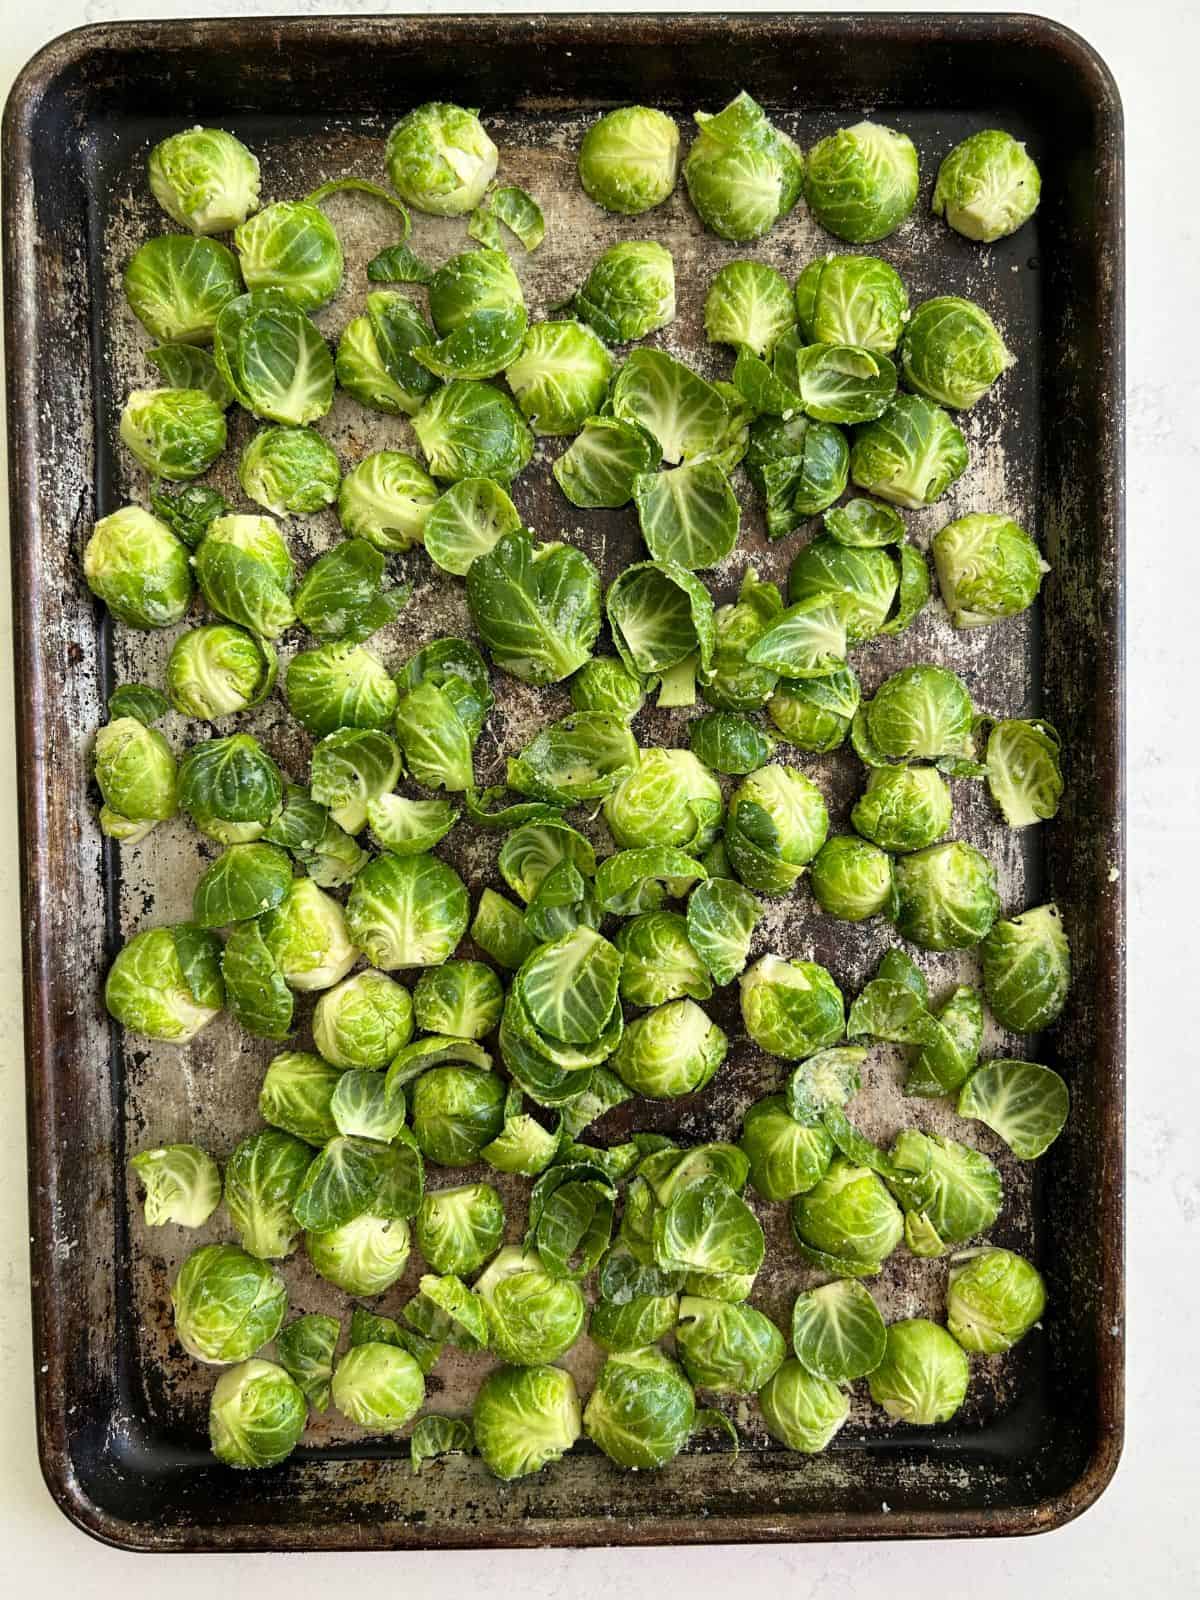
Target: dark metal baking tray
(120, 1408)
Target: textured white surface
(1142, 1533)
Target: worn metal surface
(122, 1408)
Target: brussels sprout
(305, 1349)
(366, 1105)
(274, 358)
(289, 469)
(182, 1184)
(952, 352)
(903, 808)
(993, 1299)
(226, 1304)
(141, 701)
(910, 455)
(663, 624)
(633, 1325)
(735, 685)
(571, 1214)
(742, 173)
(749, 305)
(256, 988)
(641, 1411)
(776, 823)
(799, 465)
(174, 433)
(670, 1051)
(218, 669)
(455, 1112)
(949, 1190)
(629, 292)
(866, 581)
(386, 500)
(230, 788)
(256, 1415)
(532, 1317)
(469, 520)
(478, 308)
(569, 987)
(684, 412)
(378, 1386)
(242, 883)
(261, 1180)
(296, 1094)
(923, 1376)
(469, 429)
(354, 1175)
(291, 246)
(729, 743)
(604, 462)
(440, 160)
(801, 1410)
(987, 568)
(246, 574)
(461, 998)
(407, 911)
(629, 159)
(808, 640)
(731, 1349)
(327, 853)
(791, 1008)
(136, 775)
(1027, 969)
(525, 1417)
(851, 879)
(583, 757)
(350, 768)
(306, 934)
(852, 300)
(445, 697)
(946, 896)
(606, 684)
(1024, 771)
(987, 187)
(189, 511)
(837, 1331)
(458, 1229)
(536, 607)
(920, 714)
(561, 376)
(708, 1231)
(944, 1061)
(671, 798)
(841, 383)
(204, 179)
(436, 1436)
(363, 1022)
(658, 961)
(376, 363)
(848, 1216)
(861, 182)
(364, 1256)
(815, 713)
(342, 597)
(176, 287)
(166, 983)
(1025, 1104)
(531, 852)
(184, 366)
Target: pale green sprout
(923, 1376)
(407, 911)
(177, 287)
(262, 1178)
(776, 822)
(993, 1298)
(684, 412)
(721, 918)
(987, 187)
(307, 936)
(673, 1050)
(387, 499)
(582, 757)
(226, 1304)
(1024, 770)
(532, 1317)
(363, 1021)
(218, 669)
(604, 462)
(849, 1219)
(606, 684)
(802, 1411)
(569, 986)
(709, 1232)
(791, 1008)
(670, 799)
(339, 686)
(246, 574)
(952, 352)
(852, 879)
(749, 305)
(629, 292)
(904, 808)
(866, 581)
(230, 788)
(364, 1256)
(921, 713)
(469, 520)
(173, 433)
(861, 181)
(1024, 1103)
(458, 1229)
(524, 1418)
(469, 429)
(165, 983)
(689, 516)
(350, 768)
(659, 962)
(204, 179)
(815, 713)
(289, 469)
(742, 173)
(837, 1331)
(366, 1105)
(291, 246)
(256, 1415)
(663, 626)
(536, 607)
(296, 1095)
(988, 568)
(910, 455)
(641, 1411)
(305, 1349)
(440, 159)
(560, 377)
(786, 1158)
(730, 1349)
(946, 896)
(274, 358)
(629, 159)
(182, 1184)
(378, 1386)
(460, 998)
(852, 300)
(135, 771)
(1027, 969)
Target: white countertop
(1141, 1536)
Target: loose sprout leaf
(188, 511)
(274, 358)
(839, 383)
(342, 595)
(435, 1436)
(500, 932)
(689, 515)
(891, 1010)
(808, 640)
(866, 582)
(911, 599)
(583, 757)
(520, 214)
(365, 1106)
(306, 1353)
(1024, 771)
(603, 1093)
(503, 818)
(730, 743)
(138, 700)
(484, 345)
(536, 607)
(564, 901)
(398, 264)
(761, 389)
(1027, 969)
(482, 225)
(604, 461)
(941, 1066)
(409, 827)
(255, 989)
(856, 1147)
(838, 1332)
(351, 185)
(1025, 1104)
(420, 1055)
(243, 882)
(721, 918)
(864, 524)
(468, 521)
(829, 1078)
(661, 615)
(574, 1222)
(184, 366)
(621, 876)
(570, 986)
(685, 413)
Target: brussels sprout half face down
(256, 1415)
(1027, 969)
(204, 179)
(289, 469)
(629, 159)
(988, 568)
(177, 286)
(861, 182)
(440, 159)
(166, 983)
(291, 246)
(525, 1417)
(852, 300)
(952, 352)
(227, 1304)
(136, 775)
(174, 433)
(987, 187)
(743, 174)
(629, 292)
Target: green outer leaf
(435, 1436)
(1025, 1104)
(689, 515)
(396, 263)
(499, 930)
(622, 874)
(730, 743)
(807, 641)
(537, 608)
(255, 990)
(506, 817)
(243, 882)
(569, 987)
(361, 186)
(604, 461)
(469, 520)
(184, 366)
(685, 413)
(520, 214)
(581, 757)
(721, 918)
(305, 1350)
(838, 1332)
(660, 614)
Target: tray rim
(36, 80)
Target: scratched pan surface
(122, 1408)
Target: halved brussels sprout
(629, 159)
(274, 358)
(455, 1112)
(296, 1094)
(952, 352)
(366, 1105)
(946, 896)
(663, 625)
(802, 1411)
(993, 1299)
(378, 1386)
(604, 462)
(182, 1184)
(808, 640)
(440, 159)
(707, 1229)
(407, 911)
(177, 286)
(904, 808)
(261, 1180)
(532, 1317)
(948, 1190)
(866, 581)
(363, 1021)
(749, 305)
(230, 788)
(478, 308)
(684, 412)
(1024, 770)
(786, 1158)
(629, 292)
(815, 713)
(354, 1176)
(227, 1304)
(582, 757)
(658, 961)
(244, 881)
(468, 521)
(606, 684)
(246, 574)
(849, 1217)
(458, 1229)
(921, 713)
(776, 822)
(204, 179)
(729, 743)
(525, 1417)
(289, 469)
(386, 499)
(987, 187)
(256, 1415)
(536, 607)
(219, 669)
(671, 798)
(364, 1256)
(350, 768)
(376, 362)
(861, 181)
(910, 455)
(742, 173)
(734, 684)
(136, 774)
(305, 1349)
(468, 429)
(1027, 969)
(670, 1051)
(799, 465)
(730, 1349)
(165, 983)
(306, 934)
(532, 851)
(641, 1411)
(174, 433)
(841, 383)
(633, 1324)
(852, 879)
(461, 998)
(923, 1376)
(291, 246)
(791, 1008)
(852, 300)
(561, 376)
(987, 568)
(837, 1331)
(1024, 1103)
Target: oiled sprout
(987, 187)
(1027, 969)
(946, 896)
(182, 1184)
(629, 159)
(246, 573)
(670, 1051)
(904, 808)
(440, 159)
(291, 246)
(910, 455)
(854, 300)
(376, 362)
(339, 686)
(952, 352)
(166, 983)
(135, 772)
(289, 469)
(204, 179)
(994, 1297)
(861, 182)
(988, 568)
(227, 1304)
(524, 1418)
(791, 1008)
(364, 1256)
(363, 1021)
(378, 1386)
(560, 377)
(174, 433)
(642, 1409)
(852, 879)
(776, 823)
(671, 799)
(256, 1415)
(923, 1375)
(218, 669)
(468, 429)
(306, 934)
(743, 174)
(177, 286)
(629, 292)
